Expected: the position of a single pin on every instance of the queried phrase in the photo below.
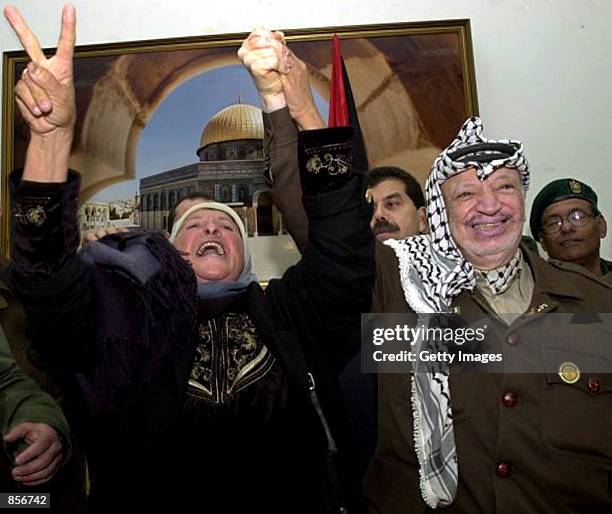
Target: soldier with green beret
(566, 221)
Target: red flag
(342, 108)
(338, 109)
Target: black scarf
(146, 314)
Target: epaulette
(579, 270)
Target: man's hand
(264, 54)
(37, 463)
(45, 97)
(95, 235)
(298, 95)
(45, 93)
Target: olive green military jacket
(21, 399)
(526, 443)
(68, 487)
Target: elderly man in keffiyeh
(485, 442)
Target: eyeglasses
(577, 217)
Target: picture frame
(413, 83)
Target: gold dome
(240, 121)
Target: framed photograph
(158, 120)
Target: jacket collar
(547, 288)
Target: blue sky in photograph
(172, 135)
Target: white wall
(543, 67)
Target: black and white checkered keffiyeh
(433, 272)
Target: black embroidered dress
(201, 408)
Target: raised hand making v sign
(45, 97)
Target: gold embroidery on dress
(229, 357)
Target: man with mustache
(566, 220)
(399, 204)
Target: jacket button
(510, 399)
(503, 469)
(513, 339)
(594, 385)
(569, 372)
